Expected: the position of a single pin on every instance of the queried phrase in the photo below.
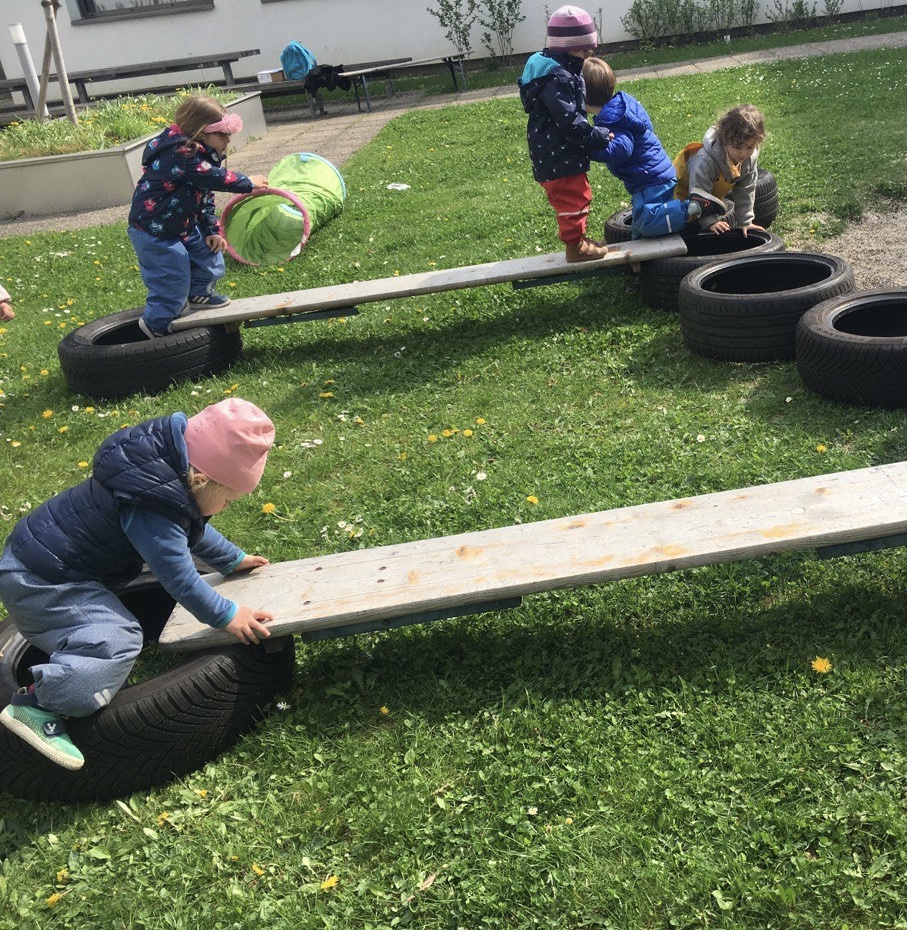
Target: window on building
(82, 10)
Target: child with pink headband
(172, 224)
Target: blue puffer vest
(76, 536)
(635, 154)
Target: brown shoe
(586, 250)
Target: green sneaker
(41, 729)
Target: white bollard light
(17, 34)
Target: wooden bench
(416, 582)
(314, 303)
(82, 80)
(359, 76)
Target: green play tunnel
(304, 192)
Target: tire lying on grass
(617, 226)
(111, 358)
(161, 728)
(854, 348)
(765, 204)
(659, 279)
(746, 309)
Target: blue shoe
(147, 330)
(208, 300)
(41, 729)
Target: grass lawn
(656, 753)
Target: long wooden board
(349, 294)
(350, 588)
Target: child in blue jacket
(172, 225)
(152, 489)
(636, 156)
(561, 139)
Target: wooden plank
(349, 588)
(350, 294)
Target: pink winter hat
(229, 442)
(571, 29)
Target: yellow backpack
(720, 188)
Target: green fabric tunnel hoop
(273, 225)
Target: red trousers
(571, 198)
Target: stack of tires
(746, 299)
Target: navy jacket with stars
(175, 193)
(560, 137)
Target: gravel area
(874, 247)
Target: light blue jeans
(656, 212)
(174, 270)
(91, 639)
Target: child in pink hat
(561, 139)
(152, 489)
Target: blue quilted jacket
(635, 155)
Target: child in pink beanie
(152, 489)
(561, 139)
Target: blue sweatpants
(656, 212)
(91, 639)
(174, 270)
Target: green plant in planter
(107, 124)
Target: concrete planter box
(94, 180)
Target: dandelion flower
(384, 710)
(83, 464)
(47, 414)
(467, 432)
(268, 508)
(480, 421)
(54, 899)
(326, 394)
(822, 666)
(257, 869)
(432, 438)
(532, 499)
(329, 883)
(821, 448)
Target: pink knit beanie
(571, 29)
(229, 442)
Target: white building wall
(337, 31)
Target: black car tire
(765, 205)
(617, 226)
(659, 279)
(853, 349)
(111, 358)
(161, 728)
(746, 309)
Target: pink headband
(229, 123)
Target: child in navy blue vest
(152, 489)
(560, 137)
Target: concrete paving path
(343, 130)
